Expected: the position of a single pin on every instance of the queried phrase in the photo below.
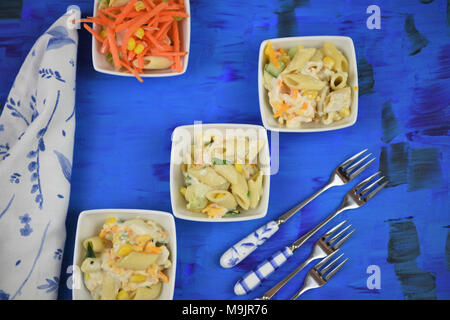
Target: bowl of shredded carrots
(140, 38)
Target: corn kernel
(142, 240)
(103, 33)
(110, 221)
(328, 62)
(131, 44)
(123, 295)
(139, 6)
(138, 278)
(139, 33)
(238, 167)
(310, 94)
(124, 250)
(183, 190)
(344, 112)
(139, 48)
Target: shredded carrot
(95, 34)
(113, 48)
(176, 45)
(294, 93)
(132, 70)
(163, 276)
(161, 36)
(105, 47)
(282, 110)
(128, 7)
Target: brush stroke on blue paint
(425, 169)
(403, 250)
(394, 163)
(365, 77)
(416, 40)
(389, 123)
(287, 22)
(447, 250)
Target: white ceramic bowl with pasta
(101, 65)
(90, 223)
(184, 136)
(343, 44)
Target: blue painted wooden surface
(122, 145)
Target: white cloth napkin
(37, 127)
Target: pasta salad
(222, 176)
(307, 85)
(126, 261)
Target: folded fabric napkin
(37, 127)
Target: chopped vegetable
(220, 161)
(89, 251)
(135, 30)
(233, 213)
(274, 70)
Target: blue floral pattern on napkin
(34, 197)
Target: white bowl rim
(262, 90)
(143, 212)
(266, 189)
(147, 75)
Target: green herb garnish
(89, 251)
(248, 194)
(233, 213)
(159, 244)
(220, 161)
(178, 18)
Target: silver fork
(343, 173)
(330, 242)
(318, 276)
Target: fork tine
(361, 169)
(340, 242)
(325, 260)
(365, 181)
(350, 160)
(338, 235)
(367, 189)
(335, 270)
(353, 166)
(332, 230)
(374, 192)
(328, 266)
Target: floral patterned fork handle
(341, 175)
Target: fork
(318, 276)
(341, 175)
(355, 198)
(327, 244)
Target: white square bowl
(101, 65)
(184, 136)
(345, 45)
(90, 223)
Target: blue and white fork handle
(253, 279)
(246, 246)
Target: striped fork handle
(243, 248)
(253, 279)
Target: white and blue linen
(37, 127)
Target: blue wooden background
(122, 145)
